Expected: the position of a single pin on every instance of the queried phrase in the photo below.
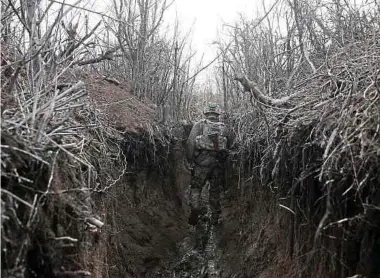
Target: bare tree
(276, 59)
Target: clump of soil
(123, 109)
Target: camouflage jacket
(196, 131)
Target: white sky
(204, 17)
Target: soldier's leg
(197, 182)
(201, 232)
(214, 194)
(199, 216)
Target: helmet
(211, 107)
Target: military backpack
(213, 137)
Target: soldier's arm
(190, 143)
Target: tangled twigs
(354, 82)
(41, 136)
(328, 148)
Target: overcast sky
(206, 16)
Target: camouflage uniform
(208, 166)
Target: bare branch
(250, 86)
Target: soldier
(207, 150)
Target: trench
(146, 231)
(257, 236)
(164, 196)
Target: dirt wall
(144, 220)
(272, 227)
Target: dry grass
(59, 147)
(320, 157)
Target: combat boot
(194, 216)
(194, 206)
(201, 233)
